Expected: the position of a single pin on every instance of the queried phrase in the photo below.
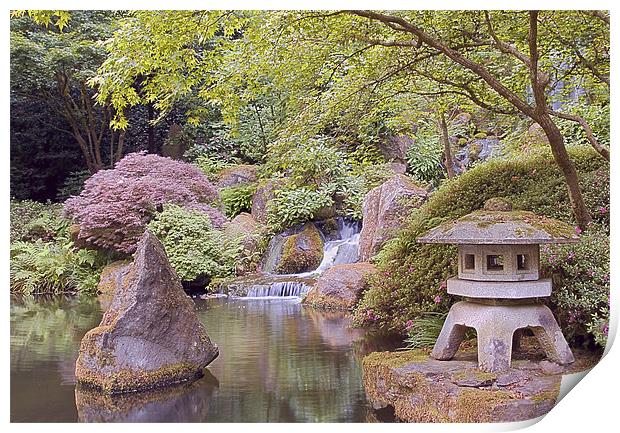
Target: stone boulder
(237, 175)
(394, 149)
(150, 336)
(340, 286)
(535, 138)
(265, 192)
(301, 252)
(250, 233)
(112, 277)
(385, 209)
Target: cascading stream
(343, 250)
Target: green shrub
(31, 220)
(423, 332)
(364, 155)
(580, 296)
(52, 267)
(211, 165)
(411, 278)
(424, 159)
(237, 199)
(195, 249)
(296, 205)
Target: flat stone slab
(500, 289)
(421, 389)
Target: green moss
(395, 359)
(477, 405)
(127, 380)
(301, 252)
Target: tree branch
(602, 150)
(457, 57)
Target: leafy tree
(54, 64)
(351, 67)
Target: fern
(52, 267)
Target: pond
(280, 361)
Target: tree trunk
(567, 167)
(445, 140)
(151, 131)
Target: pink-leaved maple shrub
(115, 206)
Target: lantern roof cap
(494, 227)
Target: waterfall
(340, 251)
(279, 288)
(339, 248)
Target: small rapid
(340, 247)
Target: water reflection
(279, 361)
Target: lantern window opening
(523, 262)
(469, 262)
(495, 262)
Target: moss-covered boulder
(301, 252)
(150, 336)
(340, 286)
(421, 389)
(265, 192)
(237, 175)
(252, 236)
(112, 276)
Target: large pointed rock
(150, 335)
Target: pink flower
(371, 315)
(570, 256)
(602, 209)
(443, 285)
(578, 230)
(437, 299)
(409, 324)
(410, 269)
(605, 329)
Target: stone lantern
(498, 275)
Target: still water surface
(279, 362)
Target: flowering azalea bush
(580, 296)
(116, 205)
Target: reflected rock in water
(334, 327)
(180, 403)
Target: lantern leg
(550, 337)
(494, 346)
(451, 335)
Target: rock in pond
(301, 252)
(384, 211)
(112, 276)
(340, 286)
(150, 336)
(421, 389)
